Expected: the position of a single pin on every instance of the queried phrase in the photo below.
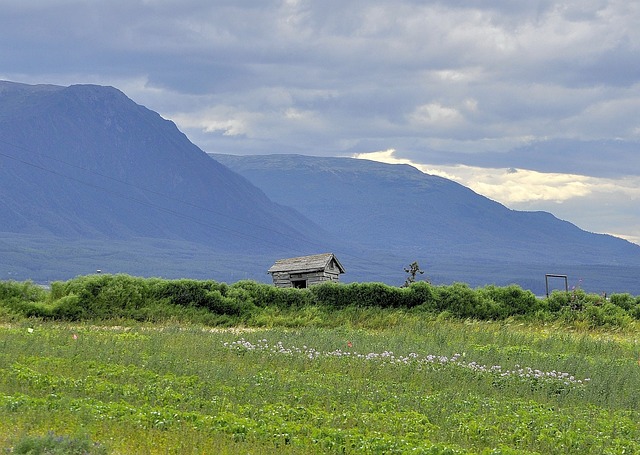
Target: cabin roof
(305, 263)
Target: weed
(51, 444)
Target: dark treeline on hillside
(109, 297)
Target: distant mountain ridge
(406, 212)
(91, 180)
(374, 202)
(87, 163)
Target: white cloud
(435, 115)
(508, 186)
(224, 120)
(577, 198)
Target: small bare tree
(412, 270)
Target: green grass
(144, 389)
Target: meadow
(321, 380)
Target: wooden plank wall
(283, 279)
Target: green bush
(266, 295)
(26, 291)
(237, 302)
(332, 295)
(607, 315)
(50, 444)
(375, 295)
(27, 308)
(102, 297)
(635, 311)
(459, 300)
(23, 299)
(366, 295)
(187, 292)
(218, 298)
(420, 294)
(557, 301)
(510, 300)
(69, 308)
(624, 301)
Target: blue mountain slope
(87, 163)
(399, 210)
(89, 179)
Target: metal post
(552, 275)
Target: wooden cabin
(305, 271)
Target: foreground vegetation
(116, 364)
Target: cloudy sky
(535, 104)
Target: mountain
(86, 168)
(399, 211)
(91, 180)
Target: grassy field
(422, 386)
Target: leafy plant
(419, 385)
(51, 444)
(25, 291)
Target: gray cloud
(552, 86)
(533, 71)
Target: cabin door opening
(299, 284)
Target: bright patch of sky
(568, 194)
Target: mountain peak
(86, 161)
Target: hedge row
(122, 296)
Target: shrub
(607, 315)
(458, 299)
(331, 294)
(375, 295)
(264, 295)
(125, 297)
(27, 291)
(25, 308)
(287, 297)
(239, 302)
(335, 295)
(69, 308)
(50, 444)
(635, 311)
(510, 300)
(104, 296)
(186, 292)
(558, 300)
(420, 294)
(625, 301)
